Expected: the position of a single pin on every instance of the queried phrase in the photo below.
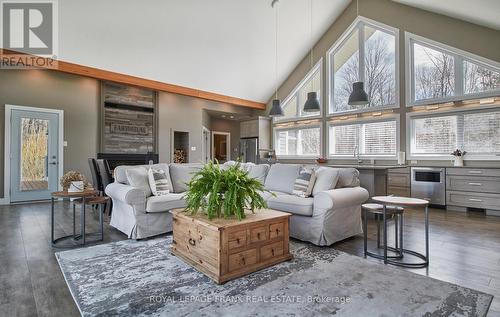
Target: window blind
(373, 139)
(298, 141)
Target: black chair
(96, 177)
(106, 178)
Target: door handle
(475, 199)
(53, 163)
(476, 184)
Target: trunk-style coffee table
(224, 249)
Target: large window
(477, 132)
(293, 105)
(372, 139)
(439, 73)
(298, 141)
(367, 53)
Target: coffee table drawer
(275, 230)
(258, 234)
(271, 250)
(242, 259)
(237, 239)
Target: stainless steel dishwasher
(429, 183)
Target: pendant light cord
(276, 50)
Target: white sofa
(333, 213)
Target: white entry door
(34, 154)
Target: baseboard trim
(4, 201)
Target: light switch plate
(65, 143)
(193, 148)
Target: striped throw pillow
(158, 181)
(304, 183)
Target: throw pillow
(304, 183)
(158, 182)
(326, 179)
(138, 177)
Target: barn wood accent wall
(129, 119)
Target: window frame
(445, 157)
(277, 129)
(295, 93)
(358, 25)
(386, 118)
(459, 57)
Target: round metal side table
(84, 195)
(386, 201)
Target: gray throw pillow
(304, 183)
(326, 179)
(138, 177)
(159, 182)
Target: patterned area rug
(142, 278)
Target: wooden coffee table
(224, 249)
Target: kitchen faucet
(356, 154)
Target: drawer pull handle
(475, 199)
(258, 235)
(277, 232)
(192, 242)
(475, 172)
(272, 252)
(238, 240)
(243, 261)
(475, 184)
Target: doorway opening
(221, 146)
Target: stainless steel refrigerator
(249, 150)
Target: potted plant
(224, 192)
(458, 157)
(73, 182)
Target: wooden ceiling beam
(76, 69)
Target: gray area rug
(142, 278)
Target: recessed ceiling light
(232, 117)
(223, 115)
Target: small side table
(67, 195)
(405, 202)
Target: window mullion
(459, 75)
(460, 131)
(361, 41)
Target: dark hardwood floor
(465, 249)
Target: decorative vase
(458, 161)
(76, 187)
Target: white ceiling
(222, 46)
(482, 12)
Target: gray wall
(183, 113)
(77, 96)
(469, 37)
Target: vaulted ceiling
(222, 46)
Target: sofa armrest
(126, 193)
(339, 198)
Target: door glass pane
(479, 79)
(380, 67)
(434, 73)
(345, 72)
(34, 154)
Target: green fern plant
(223, 192)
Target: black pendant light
(312, 102)
(276, 110)
(358, 96)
